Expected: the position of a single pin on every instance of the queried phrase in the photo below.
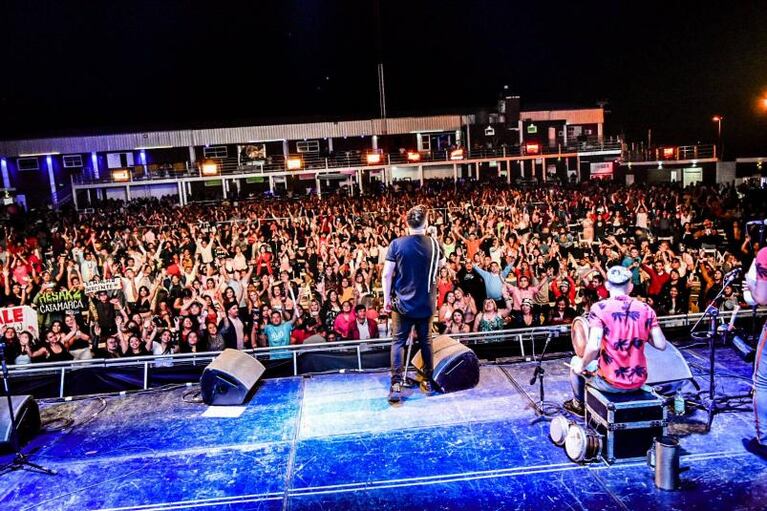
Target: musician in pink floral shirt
(619, 327)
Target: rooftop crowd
(305, 270)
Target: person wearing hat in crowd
(619, 327)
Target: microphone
(732, 274)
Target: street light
(718, 120)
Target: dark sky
(69, 67)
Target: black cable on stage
(195, 399)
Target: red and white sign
(602, 170)
(20, 319)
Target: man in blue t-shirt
(277, 333)
(409, 288)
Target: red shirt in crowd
(657, 280)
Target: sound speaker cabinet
(230, 378)
(456, 367)
(27, 415)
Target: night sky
(130, 65)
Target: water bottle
(679, 403)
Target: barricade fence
(525, 342)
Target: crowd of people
(305, 270)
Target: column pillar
(180, 193)
(522, 169)
(455, 172)
(508, 172)
(52, 182)
(127, 193)
(318, 184)
(375, 142)
(578, 167)
(271, 184)
(223, 186)
(544, 170)
(74, 192)
(359, 180)
(95, 165)
(600, 133)
(420, 174)
(330, 144)
(4, 169)
(192, 156)
(285, 149)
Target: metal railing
(671, 153)
(349, 160)
(524, 338)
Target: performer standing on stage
(409, 289)
(756, 282)
(619, 327)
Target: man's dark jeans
(401, 327)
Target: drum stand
(545, 410)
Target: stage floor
(334, 442)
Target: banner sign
(602, 170)
(103, 285)
(20, 319)
(61, 301)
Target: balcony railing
(671, 153)
(313, 162)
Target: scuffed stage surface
(333, 442)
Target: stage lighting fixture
(582, 445)
(209, 168)
(413, 156)
(120, 175)
(668, 153)
(743, 349)
(532, 148)
(456, 154)
(373, 158)
(295, 163)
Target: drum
(582, 445)
(579, 335)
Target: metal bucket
(663, 456)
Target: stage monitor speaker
(27, 415)
(456, 367)
(665, 366)
(230, 378)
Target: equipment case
(629, 422)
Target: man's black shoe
(395, 393)
(574, 406)
(754, 447)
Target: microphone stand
(712, 312)
(544, 410)
(20, 460)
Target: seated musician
(619, 327)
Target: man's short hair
(360, 307)
(416, 217)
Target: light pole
(718, 120)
